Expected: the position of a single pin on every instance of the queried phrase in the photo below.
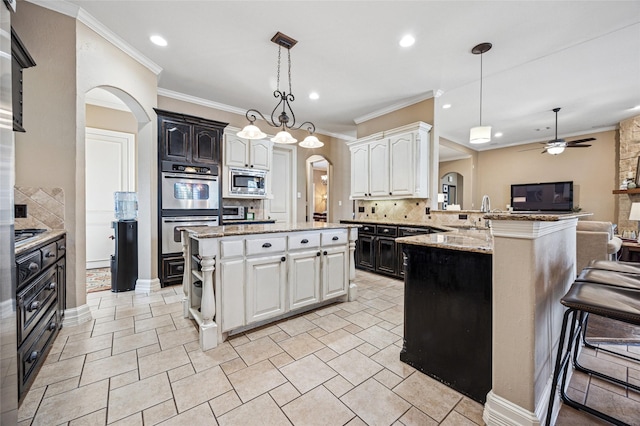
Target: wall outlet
(20, 210)
(360, 209)
(373, 210)
(462, 216)
(427, 210)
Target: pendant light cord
(481, 55)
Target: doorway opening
(319, 171)
(452, 186)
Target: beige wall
(421, 111)
(111, 119)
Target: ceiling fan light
(555, 150)
(251, 132)
(480, 134)
(284, 138)
(311, 142)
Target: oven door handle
(189, 177)
(204, 219)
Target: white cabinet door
(266, 280)
(232, 293)
(379, 168)
(335, 272)
(360, 171)
(260, 154)
(304, 278)
(402, 165)
(236, 151)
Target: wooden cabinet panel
(379, 168)
(206, 145)
(232, 293)
(335, 272)
(304, 278)
(401, 165)
(386, 258)
(365, 252)
(175, 140)
(266, 281)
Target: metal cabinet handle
(304, 241)
(180, 268)
(246, 165)
(366, 228)
(386, 231)
(251, 166)
(266, 245)
(318, 254)
(49, 254)
(32, 357)
(324, 252)
(282, 259)
(34, 267)
(335, 238)
(62, 248)
(52, 326)
(51, 286)
(33, 306)
(391, 193)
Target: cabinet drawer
(33, 301)
(49, 254)
(173, 267)
(302, 240)
(387, 231)
(266, 245)
(61, 246)
(28, 267)
(233, 248)
(331, 238)
(367, 229)
(32, 353)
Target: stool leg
(561, 361)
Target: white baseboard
(147, 286)
(94, 264)
(501, 412)
(77, 316)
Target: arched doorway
(452, 186)
(319, 172)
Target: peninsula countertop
(475, 240)
(264, 228)
(534, 216)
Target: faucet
(486, 204)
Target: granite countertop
(394, 223)
(534, 216)
(40, 239)
(266, 228)
(474, 240)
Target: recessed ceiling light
(498, 135)
(446, 106)
(314, 96)
(158, 40)
(407, 41)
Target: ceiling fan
(556, 146)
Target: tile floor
(138, 363)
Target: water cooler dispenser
(124, 263)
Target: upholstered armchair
(595, 240)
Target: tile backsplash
(414, 211)
(45, 207)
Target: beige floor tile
(613, 404)
(134, 341)
(363, 319)
(338, 386)
(220, 354)
(281, 360)
(318, 407)
(389, 357)
(326, 354)
(415, 417)
(161, 309)
(124, 379)
(317, 332)
(61, 387)
(233, 366)
(330, 323)
(471, 410)
(95, 356)
(84, 346)
(108, 367)
(112, 326)
(456, 419)
(159, 413)
(159, 362)
(301, 345)
(238, 340)
(379, 304)
(378, 337)
(375, 404)
(353, 307)
(181, 372)
(138, 396)
(96, 418)
(256, 380)
(30, 403)
(307, 373)
(341, 341)
(269, 412)
(264, 331)
(225, 403)
(197, 416)
(367, 349)
(73, 404)
(353, 329)
(166, 329)
(354, 366)
(284, 394)
(387, 378)
(296, 325)
(279, 336)
(258, 350)
(177, 337)
(200, 387)
(429, 396)
(148, 350)
(393, 315)
(132, 311)
(59, 371)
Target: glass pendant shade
(555, 150)
(311, 142)
(284, 137)
(251, 132)
(480, 134)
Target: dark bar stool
(618, 300)
(614, 266)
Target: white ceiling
(583, 56)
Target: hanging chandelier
(279, 117)
(480, 134)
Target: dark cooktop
(25, 234)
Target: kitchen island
(243, 276)
(447, 327)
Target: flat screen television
(549, 196)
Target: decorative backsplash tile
(255, 206)
(45, 207)
(414, 211)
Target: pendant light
(480, 134)
(282, 120)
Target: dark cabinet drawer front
(34, 301)
(61, 247)
(49, 254)
(28, 267)
(367, 229)
(407, 232)
(387, 231)
(33, 351)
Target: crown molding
(394, 107)
(92, 23)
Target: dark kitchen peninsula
(448, 314)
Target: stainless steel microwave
(247, 182)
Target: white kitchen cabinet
(266, 280)
(304, 278)
(391, 164)
(232, 293)
(245, 153)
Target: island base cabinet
(447, 317)
(266, 281)
(304, 280)
(232, 293)
(335, 272)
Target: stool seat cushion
(619, 279)
(605, 300)
(611, 265)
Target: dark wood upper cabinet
(188, 139)
(20, 59)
